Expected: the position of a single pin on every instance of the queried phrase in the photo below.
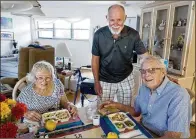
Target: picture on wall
(5, 35)
(6, 23)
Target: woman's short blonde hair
(39, 66)
(158, 61)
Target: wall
(81, 50)
(22, 33)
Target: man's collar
(160, 89)
(162, 86)
(124, 31)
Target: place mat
(107, 126)
(61, 125)
(140, 127)
(29, 135)
(84, 131)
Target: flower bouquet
(10, 112)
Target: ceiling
(62, 4)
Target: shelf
(179, 27)
(146, 28)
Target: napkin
(130, 134)
(141, 136)
(31, 123)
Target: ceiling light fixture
(15, 6)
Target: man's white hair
(39, 66)
(158, 62)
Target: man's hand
(171, 134)
(33, 116)
(98, 88)
(109, 104)
(142, 57)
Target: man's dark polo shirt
(115, 55)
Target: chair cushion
(87, 87)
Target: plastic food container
(58, 116)
(121, 121)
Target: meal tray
(58, 116)
(121, 121)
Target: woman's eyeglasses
(150, 70)
(41, 79)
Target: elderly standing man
(112, 51)
(165, 106)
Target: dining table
(82, 127)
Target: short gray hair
(158, 61)
(39, 66)
(116, 5)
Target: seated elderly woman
(164, 106)
(44, 93)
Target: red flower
(2, 97)
(8, 130)
(19, 110)
(22, 105)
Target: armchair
(27, 57)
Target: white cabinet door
(146, 26)
(179, 34)
(160, 30)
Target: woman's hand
(33, 116)
(72, 109)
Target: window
(80, 29)
(63, 29)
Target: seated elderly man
(164, 106)
(44, 93)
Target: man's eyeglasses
(150, 70)
(41, 79)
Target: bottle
(69, 65)
(91, 110)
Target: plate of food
(121, 121)
(119, 116)
(120, 126)
(62, 115)
(57, 116)
(48, 115)
(129, 123)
